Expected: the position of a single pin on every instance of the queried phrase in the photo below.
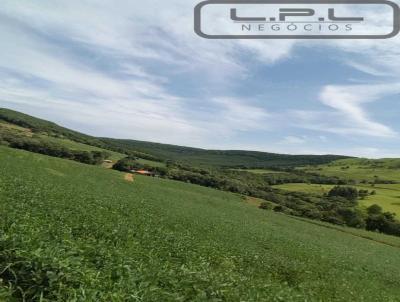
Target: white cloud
(348, 101)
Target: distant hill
(149, 150)
(224, 158)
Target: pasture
(359, 169)
(387, 195)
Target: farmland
(360, 169)
(74, 232)
(387, 195)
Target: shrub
(374, 210)
(349, 193)
(266, 205)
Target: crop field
(387, 195)
(360, 169)
(74, 232)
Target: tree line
(43, 146)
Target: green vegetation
(73, 232)
(72, 145)
(43, 145)
(260, 171)
(37, 125)
(129, 164)
(317, 189)
(151, 163)
(199, 166)
(23, 138)
(386, 196)
(219, 158)
(338, 206)
(361, 170)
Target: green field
(306, 188)
(360, 169)
(387, 196)
(151, 163)
(74, 232)
(259, 171)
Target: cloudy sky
(135, 69)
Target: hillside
(164, 152)
(361, 169)
(221, 158)
(42, 126)
(77, 232)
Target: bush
(266, 205)
(349, 193)
(374, 210)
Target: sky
(136, 69)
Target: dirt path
(128, 177)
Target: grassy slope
(83, 231)
(39, 125)
(387, 196)
(67, 143)
(360, 169)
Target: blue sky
(132, 70)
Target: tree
(349, 193)
(374, 210)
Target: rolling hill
(75, 232)
(221, 158)
(164, 152)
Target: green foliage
(374, 210)
(266, 205)
(72, 232)
(361, 170)
(128, 164)
(41, 145)
(37, 125)
(384, 222)
(219, 158)
(349, 193)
